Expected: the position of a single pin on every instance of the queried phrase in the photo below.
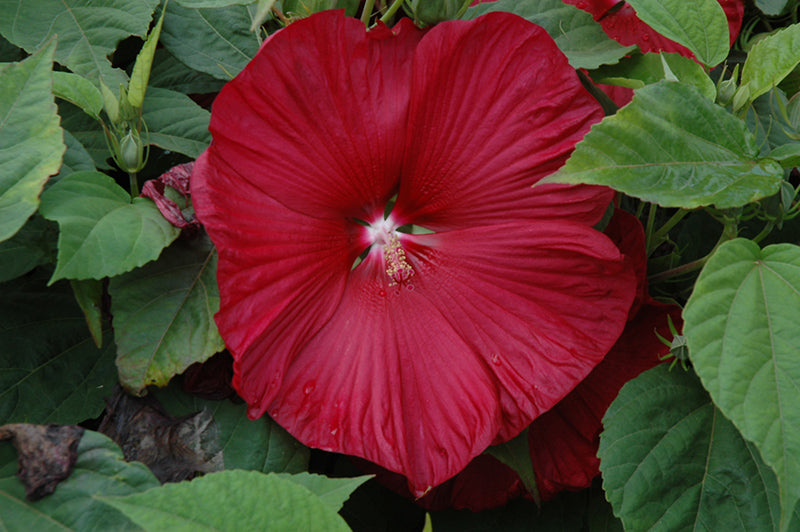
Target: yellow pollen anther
(397, 267)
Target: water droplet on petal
(273, 414)
(581, 5)
(382, 293)
(442, 451)
(495, 359)
(309, 387)
(646, 38)
(334, 429)
(253, 412)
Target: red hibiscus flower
(624, 26)
(564, 441)
(328, 145)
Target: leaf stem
(764, 232)
(391, 11)
(661, 234)
(650, 227)
(729, 232)
(367, 12)
(134, 184)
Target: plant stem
(649, 228)
(391, 11)
(463, 9)
(134, 184)
(729, 232)
(661, 234)
(367, 13)
(764, 232)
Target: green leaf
(700, 25)
(671, 461)
(772, 7)
(78, 91)
(215, 41)
(51, 370)
(102, 234)
(742, 335)
(175, 122)
(331, 492)
(76, 159)
(241, 500)
(766, 120)
(213, 3)
(88, 132)
(31, 143)
(516, 454)
(88, 30)
(169, 73)
(655, 150)
(30, 247)
(254, 444)
(164, 315)
(89, 295)
(99, 470)
(787, 155)
(581, 39)
(639, 70)
(141, 68)
(768, 62)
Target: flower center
(383, 236)
(397, 267)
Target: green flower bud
(130, 156)
(430, 12)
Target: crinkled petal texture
(494, 318)
(625, 27)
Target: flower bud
(430, 12)
(130, 156)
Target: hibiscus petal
(564, 441)
(504, 110)
(625, 26)
(496, 325)
(272, 261)
(322, 106)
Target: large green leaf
(50, 369)
(102, 233)
(771, 7)
(675, 147)
(78, 91)
(240, 500)
(88, 30)
(581, 39)
(169, 73)
(671, 461)
(87, 131)
(770, 60)
(741, 327)
(215, 41)
(99, 470)
(76, 159)
(331, 494)
(30, 247)
(699, 25)
(254, 444)
(164, 314)
(639, 70)
(175, 122)
(31, 143)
